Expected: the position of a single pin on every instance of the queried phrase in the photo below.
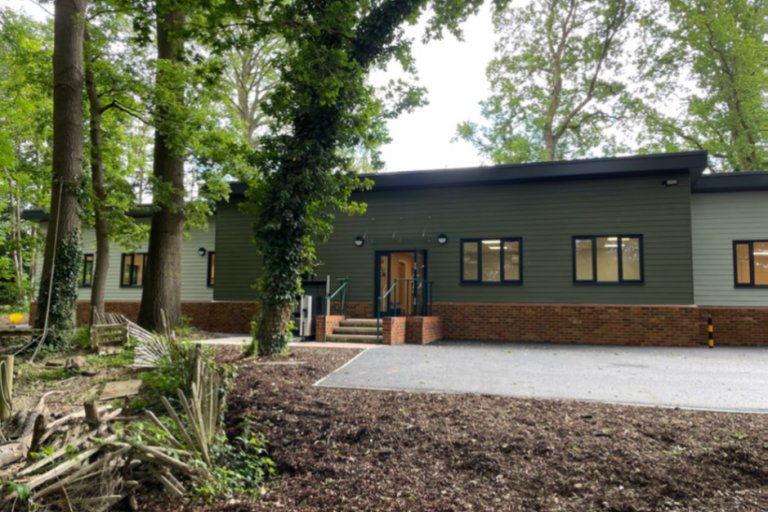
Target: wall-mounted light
(442, 239)
(670, 183)
(201, 251)
(359, 241)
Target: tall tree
(114, 79)
(57, 298)
(25, 142)
(711, 58)
(321, 106)
(162, 277)
(251, 75)
(556, 80)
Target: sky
(454, 74)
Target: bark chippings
(346, 450)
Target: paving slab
(733, 379)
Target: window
(608, 259)
(86, 271)
(211, 267)
(492, 261)
(750, 262)
(134, 267)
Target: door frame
(377, 272)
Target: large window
(86, 271)
(492, 261)
(211, 268)
(750, 262)
(608, 259)
(134, 267)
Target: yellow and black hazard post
(711, 332)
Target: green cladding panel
(546, 215)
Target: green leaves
(713, 55)
(556, 80)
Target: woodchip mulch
(343, 450)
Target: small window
(134, 267)
(211, 267)
(750, 261)
(492, 261)
(608, 259)
(86, 271)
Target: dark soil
(367, 450)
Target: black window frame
(621, 281)
(81, 279)
(751, 283)
(479, 281)
(208, 282)
(133, 266)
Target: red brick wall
(736, 326)
(574, 323)
(355, 309)
(230, 316)
(421, 330)
(393, 330)
(324, 325)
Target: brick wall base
(557, 323)
(355, 309)
(603, 324)
(421, 330)
(324, 325)
(212, 316)
(393, 330)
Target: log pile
(94, 458)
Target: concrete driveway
(720, 379)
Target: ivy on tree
(321, 110)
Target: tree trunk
(550, 145)
(272, 335)
(97, 184)
(162, 277)
(62, 249)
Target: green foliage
(25, 145)
(713, 56)
(83, 337)
(242, 465)
(115, 360)
(557, 80)
(23, 492)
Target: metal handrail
(378, 311)
(343, 301)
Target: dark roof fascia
(732, 182)
(39, 215)
(693, 163)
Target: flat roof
(732, 182)
(693, 162)
(40, 215)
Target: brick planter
(393, 330)
(421, 330)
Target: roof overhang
(39, 215)
(732, 182)
(692, 163)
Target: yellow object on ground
(16, 318)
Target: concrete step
(352, 338)
(359, 322)
(355, 330)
